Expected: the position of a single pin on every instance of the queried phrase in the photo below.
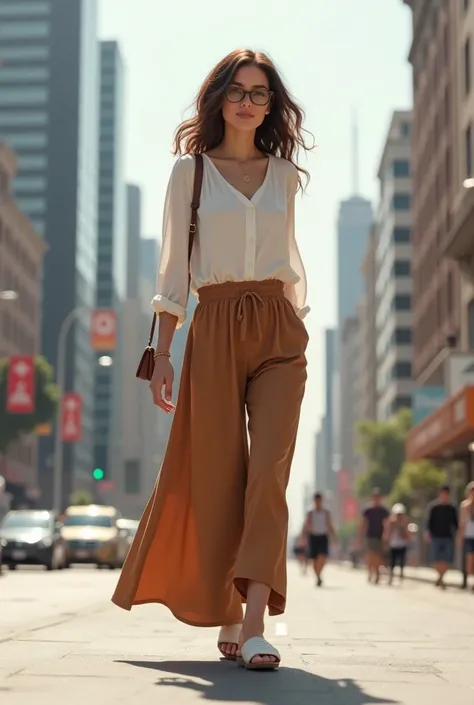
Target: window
(20, 141)
(402, 302)
(405, 129)
(23, 119)
(24, 96)
(39, 225)
(23, 53)
(401, 168)
(401, 370)
(402, 336)
(24, 30)
(400, 403)
(31, 8)
(401, 268)
(31, 205)
(401, 202)
(29, 183)
(31, 162)
(132, 477)
(401, 235)
(467, 66)
(468, 151)
(23, 74)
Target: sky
(339, 57)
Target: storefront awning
(447, 432)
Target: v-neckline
(242, 196)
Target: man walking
(441, 527)
(371, 531)
(318, 529)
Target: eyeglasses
(258, 96)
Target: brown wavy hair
(280, 134)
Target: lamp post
(66, 326)
(104, 361)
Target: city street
(346, 644)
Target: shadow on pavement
(229, 684)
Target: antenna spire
(355, 153)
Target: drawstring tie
(257, 302)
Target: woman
(397, 537)
(466, 529)
(213, 535)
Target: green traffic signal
(98, 474)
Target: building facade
(393, 287)
(49, 100)
(435, 59)
(21, 258)
(368, 360)
(111, 286)
(349, 368)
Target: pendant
(247, 179)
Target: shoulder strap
(198, 174)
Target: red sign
(71, 418)
(21, 385)
(350, 509)
(344, 481)
(107, 486)
(104, 329)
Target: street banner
(71, 418)
(104, 329)
(344, 481)
(350, 509)
(21, 385)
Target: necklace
(245, 176)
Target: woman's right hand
(163, 376)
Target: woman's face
(247, 99)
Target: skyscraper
(111, 249)
(49, 91)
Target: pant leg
(274, 395)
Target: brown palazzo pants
(218, 516)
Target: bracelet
(161, 354)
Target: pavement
(348, 643)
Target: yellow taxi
(92, 534)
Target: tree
(81, 498)
(383, 444)
(13, 426)
(417, 485)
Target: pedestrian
(300, 552)
(397, 538)
(318, 529)
(441, 528)
(371, 532)
(466, 531)
(213, 535)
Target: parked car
(130, 526)
(32, 537)
(93, 535)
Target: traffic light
(98, 474)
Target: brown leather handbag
(147, 362)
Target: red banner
(344, 481)
(350, 509)
(71, 418)
(21, 385)
(104, 329)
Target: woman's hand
(163, 376)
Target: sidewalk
(348, 643)
(422, 574)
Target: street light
(61, 351)
(8, 295)
(105, 361)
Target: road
(349, 643)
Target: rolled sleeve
(173, 269)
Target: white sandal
(258, 646)
(229, 635)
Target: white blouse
(237, 239)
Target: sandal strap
(229, 634)
(258, 646)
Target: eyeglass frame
(248, 93)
